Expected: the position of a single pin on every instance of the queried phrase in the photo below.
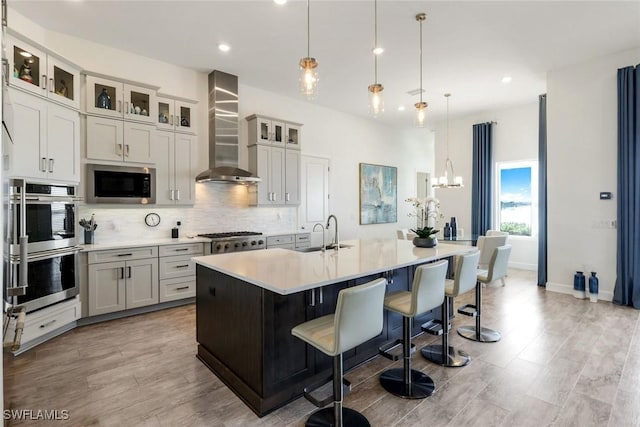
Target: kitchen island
(248, 302)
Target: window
(517, 211)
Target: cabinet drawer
(280, 240)
(122, 254)
(302, 245)
(283, 246)
(177, 266)
(183, 249)
(174, 289)
(303, 238)
(50, 319)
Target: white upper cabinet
(43, 73)
(176, 114)
(120, 99)
(265, 130)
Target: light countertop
(140, 243)
(285, 271)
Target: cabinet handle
(51, 85)
(313, 298)
(181, 249)
(119, 151)
(212, 292)
(171, 194)
(182, 266)
(182, 288)
(126, 150)
(177, 194)
(129, 272)
(171, 119)
(124, 254)
(177, 121)
(126, 107)
(122, 272)
(43, 164)
(321, 299)
(49, 323)
(5, 61)
(4, 15)
(51, 163)
(43, 82)
(119, 106)
(287, 197)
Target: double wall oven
(42, 258)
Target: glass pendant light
(443, 181)
(421, 107)
(376, 100)
(308, 68)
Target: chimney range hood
(223, 132)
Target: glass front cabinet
(43, 73)
(117, 99)
(177, 114)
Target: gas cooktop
(230, 234)
(235, 241)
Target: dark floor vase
(593, 287)
(579, 285)
(425, 242)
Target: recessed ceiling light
(506, 79)
(400, 107)
(223, 47)
(281, 2)
(377, 50)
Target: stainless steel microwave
(121, 184)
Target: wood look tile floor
(561, 362)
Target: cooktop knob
(218, 246)
(253, 243)
(244, 243)
(226, 246)
(237, 245)
(260, 242)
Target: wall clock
(152, 219)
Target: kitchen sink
(319, 248)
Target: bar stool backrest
(359, 314)
(499, 263)
(486, 246)
(427, 290)
(465, 276)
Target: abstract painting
(378, 194)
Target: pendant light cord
(375, 40)
(421, 62)
(308, 29)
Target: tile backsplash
(218, 208)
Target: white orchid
(427, 211)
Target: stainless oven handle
(24, 238)
(50, 254)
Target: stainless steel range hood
(223, 132)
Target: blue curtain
(542, 190)
(627, 289)
(481, 188)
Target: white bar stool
(497, 270)
(464, 281)
(358, 317)
(427, 292)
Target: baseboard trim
(562, 288)
(523, 266)
(134, 311)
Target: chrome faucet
(314, 229)
(336, 244)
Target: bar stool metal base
(454, 358)
(421, 385)
(486, 334)
(325, 418)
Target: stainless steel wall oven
(42, 259)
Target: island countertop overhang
(286, 272)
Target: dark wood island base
(244, 335)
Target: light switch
(606, 195)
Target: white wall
(582, 162)
(515, 138)
(346, 139)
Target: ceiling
(467, 46)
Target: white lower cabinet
(177, 271)
(119, 285)
(46, 320)
(289, 241)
